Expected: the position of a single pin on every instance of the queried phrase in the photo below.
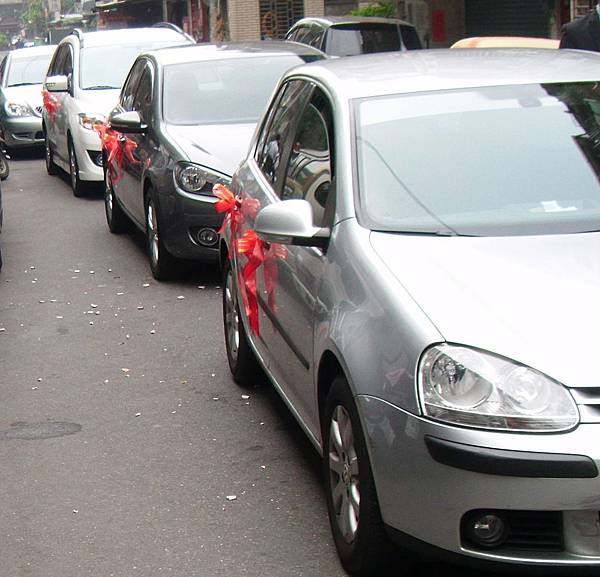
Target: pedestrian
(582, 33)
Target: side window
(310, 167)
(273, 146)
(314, 36)
(3, 69)
(142, 101)
(130, 85)
(56, 66)
(68, 62)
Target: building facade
(440, 22)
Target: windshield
(487, 161)
(105, 67)
(30, 70)
(353, 39)
(222, 91)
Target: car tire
(118, 222)
(51, 167)
(240, 356)
(77, 186)
(4, 166)
(162, 263)
(352, 504)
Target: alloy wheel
(343, 471)
(232, 318)
(152, 232)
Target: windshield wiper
(23, 84)
(101, 87)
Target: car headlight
(197, 179)
(465, 386)
(17, 109)
(88, 120)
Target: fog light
(207, 237)
(488, 530)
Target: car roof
(130, 36)
(445, 69)
(338, 20)
(182, 54)
(32, 51)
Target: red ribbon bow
(117, 147)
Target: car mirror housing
(290, 222)
(59, 83)
(129, 121)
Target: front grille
(588, 403)
(39, 110)
(527, 531)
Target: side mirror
(59, 83)
(129, 121)
(290, 222)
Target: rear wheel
(116, 218)
(162, 263)
(352, 504)
(76, 185)
(242, 362)
(51, 167)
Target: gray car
(187, 115)
(352, 35)
(413, 258)
(22, 73)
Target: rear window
(353, 39)
(410, 37)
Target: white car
(83, 83)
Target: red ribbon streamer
(117, 147)
(51, 104)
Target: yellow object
(505, 42)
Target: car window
(131, 84)
(285, 114)
(314, 36)
(31, 70)
(410, 38)
(3, 69)
(309, 169)
(68, 62)
(201, 92)
(353, 39)
(56, 66)
(142, 101)
(529, 159)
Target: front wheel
(242, 362)
(115, 216)
(76, 185)
(51, 167)
(4, 167)
(352, 504)
(162, 263)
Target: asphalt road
(125, 447)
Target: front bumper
(546, 485)
(22, 132)
(185, 217)
(87, 148)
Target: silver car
(412, 254)
(22, 73)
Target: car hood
(31, 95)
(218, 146)
(534, 299)
(98, 101)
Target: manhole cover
(33, 431)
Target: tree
(384, 9)
(34, 18)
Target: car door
(137, 147)
(55, 122)
(125, 104)
(290, 276)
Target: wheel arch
(329, 368)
